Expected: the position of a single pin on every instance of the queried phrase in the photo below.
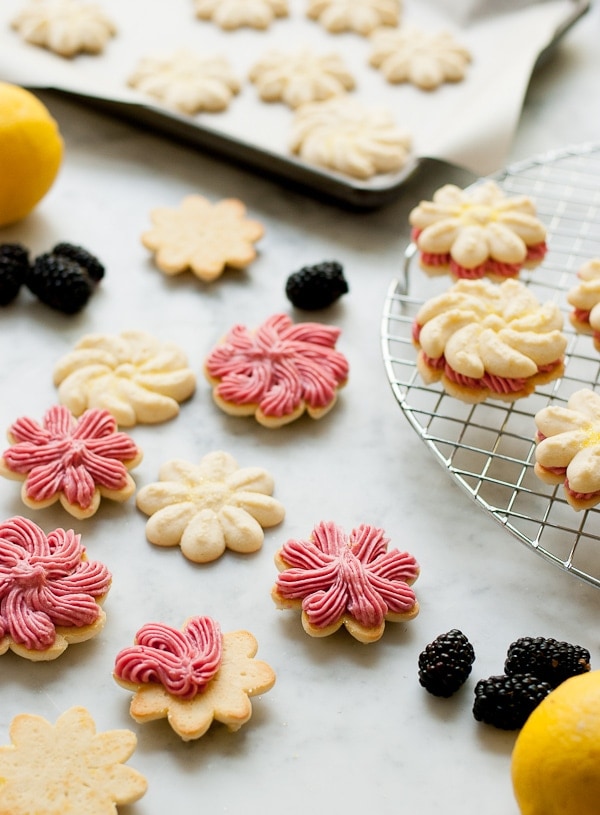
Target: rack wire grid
(489, 448)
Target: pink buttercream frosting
(580, 496)
(562, 471)
(492, 382)
(183, 662)
(335, 574)
(70, 456)
(279, 366)
(491, 266)
(45, 582)
(582, 315)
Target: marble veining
(347, 728)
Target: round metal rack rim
(488, 449)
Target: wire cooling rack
(488, 448)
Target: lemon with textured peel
(556, 758)
(31, 150)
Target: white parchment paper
(470, 123)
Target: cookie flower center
(478, 215)
(211, 495)
(29, 576)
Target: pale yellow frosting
(482, 327)
(585, 296)
(473, 225)
(570, 441)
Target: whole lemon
(31, 150)
(556, 758)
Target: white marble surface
(346, 727)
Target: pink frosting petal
(335, 574)
(183, 662)
(279, 366)
(71, 457)
(45, 582)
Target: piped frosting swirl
(494, 338)
(183, 662)
(46, 583)
(278, 371)
(352, 580)
(71, 461)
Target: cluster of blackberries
(63, 278)
(316, 287)
(534, 666)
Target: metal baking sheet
(445, 124)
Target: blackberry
(89, 262)
(60, 283)
(315, 287)
(14, 266)
(507, 701)
(446, 663)
(549, 660)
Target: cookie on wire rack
(478, 232)
(484, 340)
(568, 448)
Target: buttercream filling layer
(491, 266)
(492, 382)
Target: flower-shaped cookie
(230, 14)
(133, 375)
(192, 677)
(300, 77)
(361, 16)
(568, 449)
(477, 232)
(342, 134)
(66, 27)
(209, 507)
(585, 299)
(408, 54)
(277, 372)
(186, 81)
(49, 591)
(351, 580)
(202, 237)
(76, 462)
(484, 339)
(67, 767)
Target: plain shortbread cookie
(66, 27)
(67, 767)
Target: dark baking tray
(331, 186)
